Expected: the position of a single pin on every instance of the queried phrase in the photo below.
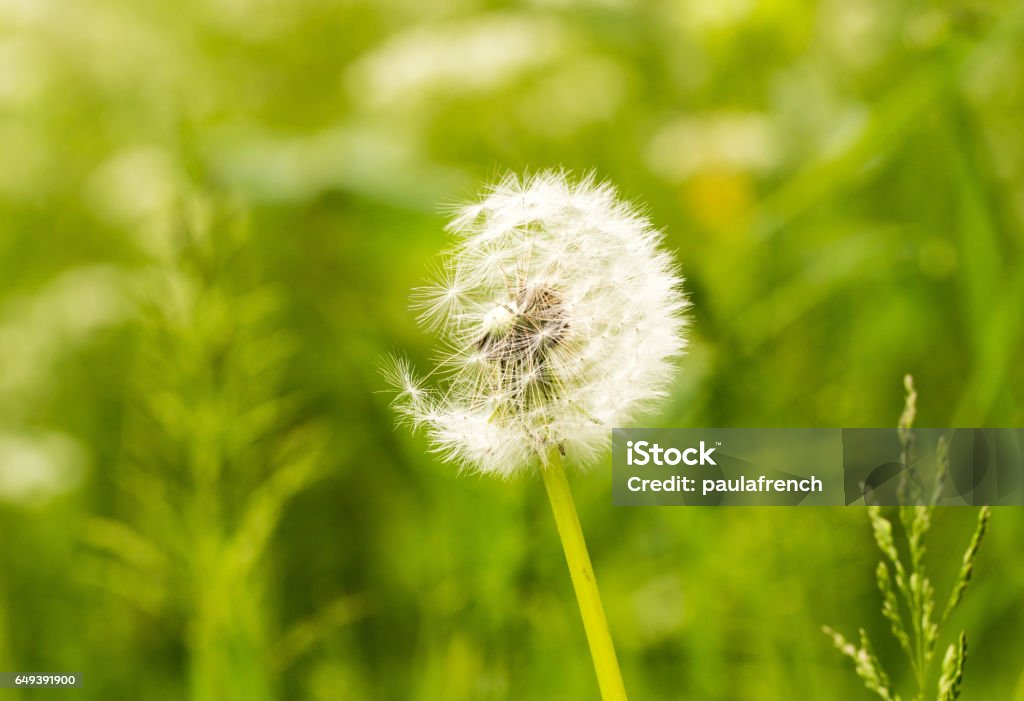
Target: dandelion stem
(609, 678)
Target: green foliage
(910, 606)
(214, 451)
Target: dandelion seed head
(563, 317)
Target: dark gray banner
(817, 467)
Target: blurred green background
(211, 214)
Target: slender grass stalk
(609, 677)
(908, 596)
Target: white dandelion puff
(561, 316)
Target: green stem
(609, 678)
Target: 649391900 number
(17, 679)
